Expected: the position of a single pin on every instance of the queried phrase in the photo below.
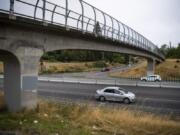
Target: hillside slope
(170, 68)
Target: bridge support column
(29, 80)
(150, 66)
(20, 79)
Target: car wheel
(102, 98)
(144, 80)
(126, 101)
(157, 81)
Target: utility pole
(129, 64)
(103, 58)
(170, 44)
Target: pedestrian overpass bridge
(29, 28)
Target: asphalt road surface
(160, 100)
(151, 99)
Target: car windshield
(123, 90)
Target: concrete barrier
(122, 82)
(115, 82)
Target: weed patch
(51, 118)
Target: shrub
(177, 61)
(73, 69)
(50, 70)
(172, 73)
(175, 66)
(100, 64)
(89, 65)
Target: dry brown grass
(73, 119)
(124, 122)
(2, 102)
(61, 67)
(107, 121)
(169, 68)
(58, 67)
(138, 71)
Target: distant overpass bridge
(29, 28)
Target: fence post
(160, 84)
(44, 13)
(82, 21)
(11, 10)
(66, 14)
(11, 6)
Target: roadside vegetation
(65, 61)
(171, 52)
(84, 56)
(60, 67)
(69, 61)
(168, 69)
(137, 71)
(49, 67)
(52, 118)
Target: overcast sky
(158, 20)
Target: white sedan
(151, 78)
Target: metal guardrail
(167, 79)
(114, 82)
(108, 27)
(130, 81)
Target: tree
(164, 48)
(173, 52)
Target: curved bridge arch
(111, 31)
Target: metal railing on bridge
(107, 27)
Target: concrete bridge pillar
(150, 66)
(21, 77)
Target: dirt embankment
(170, 68)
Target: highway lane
(160, 100)
(164, 100)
